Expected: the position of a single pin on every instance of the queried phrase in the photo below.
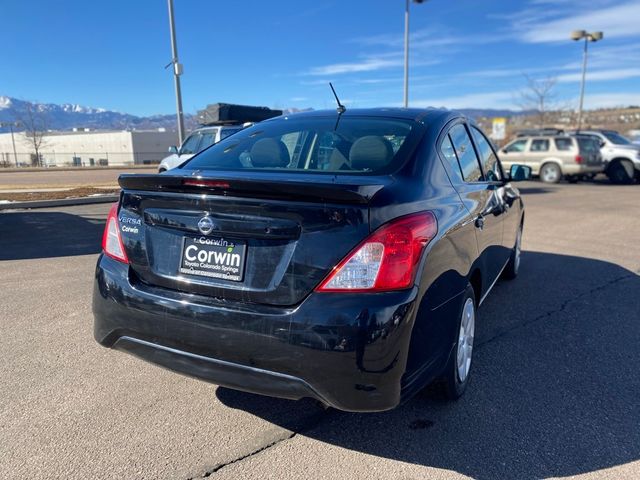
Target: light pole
(177, 71)
(13, 140)
(406, 50)
(588, 37)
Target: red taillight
(578, 159)
(199, 182)
(111, 239)
(386, 260)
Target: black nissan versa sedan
(338, 256)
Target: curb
(62, 202)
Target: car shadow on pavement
(534, 190)
(554, 391)
(35, 234)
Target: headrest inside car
(269, 152)
(370, 152)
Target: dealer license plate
(213, 258)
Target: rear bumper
(582, 169)
(344, 352)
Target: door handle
(479, 222)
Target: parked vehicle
(621, 156)
(341, 257)
(196, 142)
(553, 158)
(539, 132)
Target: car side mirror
(519, 173)
(602, 143)
(173, 149)
(504, 150)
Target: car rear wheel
(458, 369)
(513, 266)
(620, 172)
(550, 173)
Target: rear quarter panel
(447, 259)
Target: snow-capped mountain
(68, 116)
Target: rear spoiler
(310, 187)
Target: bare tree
(539, 96)
(34, 122)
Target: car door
(504, 195)
(538, 153)
(483, 200)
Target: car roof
(541, 137)
(422, 115)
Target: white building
(88, 148)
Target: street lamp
(177, 71)
(406, 50)
(13, 140)
(588, 37)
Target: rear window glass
(587, 144)
(352, 145)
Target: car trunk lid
(269, 238)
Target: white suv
(621, 156)
(196, 142)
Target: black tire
(162, 170)
(513, 266)
(452, 385)
(620, 172)
(550, 173)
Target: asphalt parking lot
(555, 389)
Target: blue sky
(282, 53)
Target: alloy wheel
(465, 339)
(550, 175)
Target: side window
(466, 154)
(563, 144)
(446, 148)
(190, 145)
(208, 139)
(539, 145)
(517, 146)
(487, 156)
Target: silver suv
(555, 157)
(621, 156)
(196, 142)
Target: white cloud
(600, 75)
(370, 64)
(615, 21)
(617, 99)
(474, 100)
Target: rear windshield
(587, 144)
(351, 145)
